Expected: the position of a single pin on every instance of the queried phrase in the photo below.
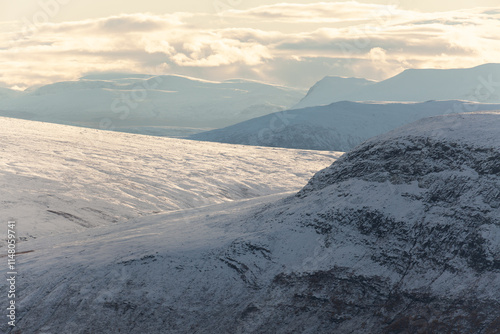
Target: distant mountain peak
(412, 85)
(322, 92)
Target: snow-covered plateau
(56, 178)
(400, 235)
(339, 126)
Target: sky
(289, 42)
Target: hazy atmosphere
(294, 43)
(250, 167)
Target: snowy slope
(338, 127)
(479, 84)
(330, 89)
(148, 100)
(6, 93)
(57, 178)
(400, 235)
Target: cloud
(125, 23)
(324, 12)
(210, 53)
(294, 44)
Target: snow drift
(399, 235)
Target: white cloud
(287, 43)
(217, 52)
(322, 12)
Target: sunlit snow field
(57, 178)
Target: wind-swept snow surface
(57, 178)
(399, 235)
(478, 84)
(121, 100)
(339, 126)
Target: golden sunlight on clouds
(294, 44)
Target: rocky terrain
(400, 235)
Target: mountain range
(340, 126)
(478, 84)
(174, 105)
(109, 101)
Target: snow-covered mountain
(400, 235)
(338, 127)
(478, 84)
(56, 178)
(116, 100)
(330, 89)
(6, 93)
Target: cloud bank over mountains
(292, 44)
